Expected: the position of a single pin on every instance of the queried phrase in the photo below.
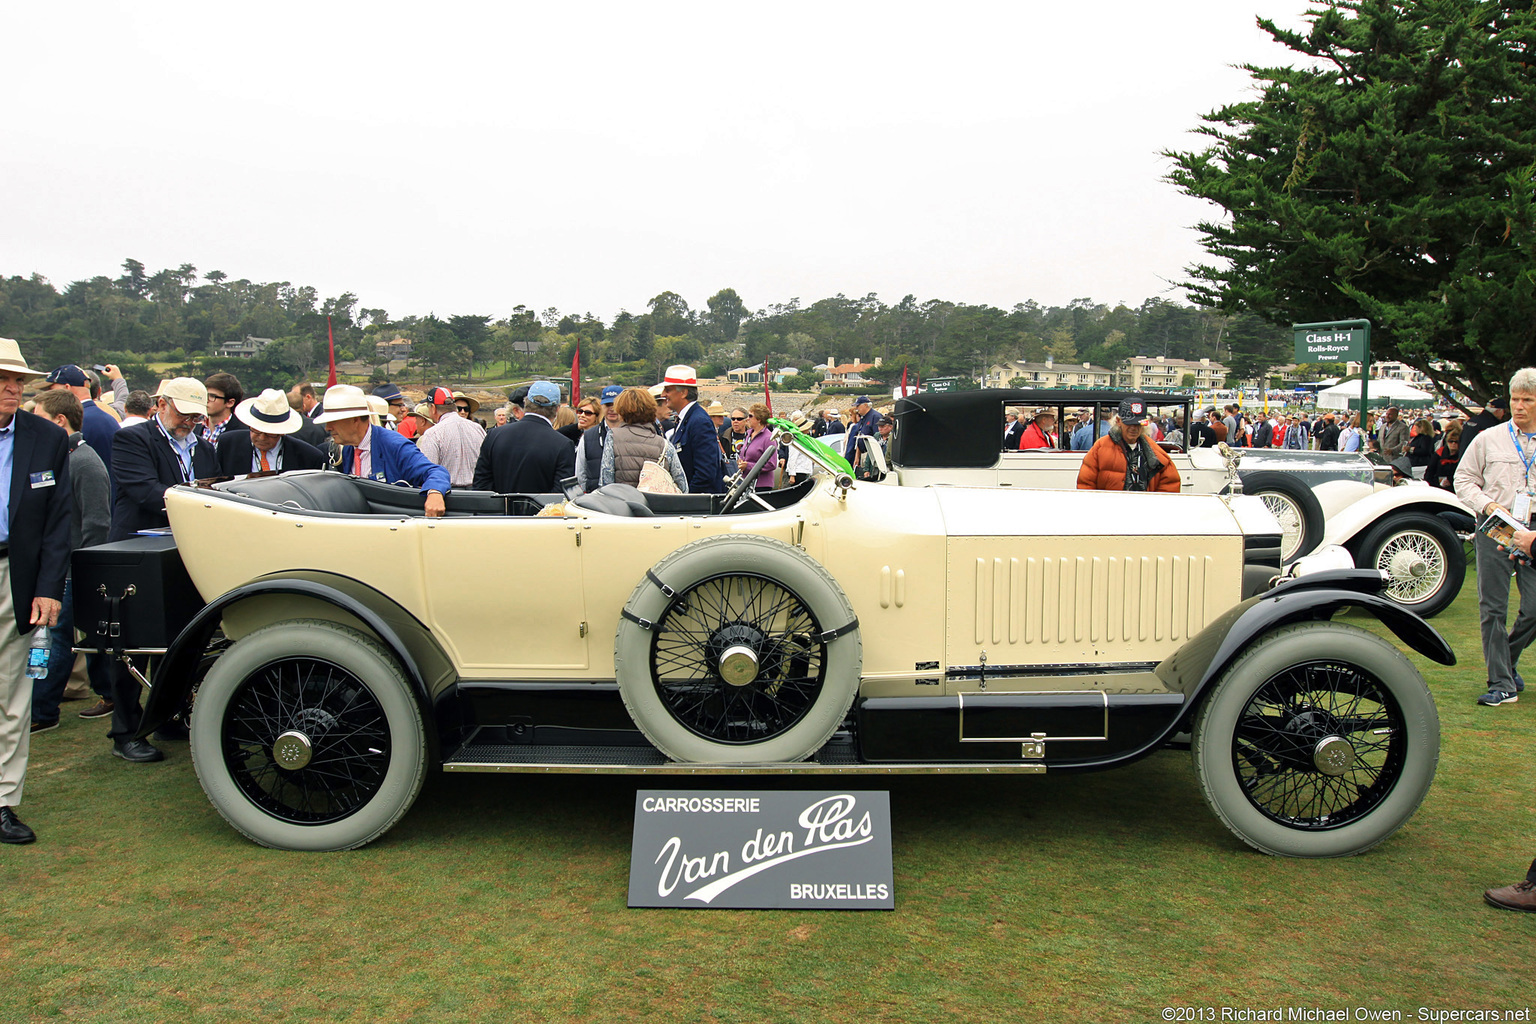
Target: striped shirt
(454, 443)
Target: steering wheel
(738, 491)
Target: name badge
(1522, 509)
(43, 479)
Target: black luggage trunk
(133, 594)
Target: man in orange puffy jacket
(1124, 460)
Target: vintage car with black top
(1320, 498)
(326, 656)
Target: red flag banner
(576, 376)
(903, 380)
(330, 343)
(767, 398)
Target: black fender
(1194, 667)
(427, 668)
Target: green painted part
(812, 447)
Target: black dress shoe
(13, 829)
(137, 751)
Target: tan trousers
(15, 697)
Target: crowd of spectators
(126, 447)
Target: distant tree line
(177, 317)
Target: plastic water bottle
(37, 656)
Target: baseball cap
(187, 394)
(440, 396)
(861, 400)
(72, 376)
(1493, 403)
(543, 394)
(611, 392)
(1132, 412)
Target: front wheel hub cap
(1333, 755)
(292, 750)
(1408, 565)
(738, 665)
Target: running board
(833, 759)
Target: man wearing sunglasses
(733, 433)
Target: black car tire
(1394, 544)
(738, 593)
(1294, 504)
(349, 699)
(1259, 732)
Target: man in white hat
(376, 452)
(269, 445)
(160, 453)
(34, 559)
(148, 459)
(694, 435)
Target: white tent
(1382, 394)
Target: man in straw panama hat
(694, 436)
(376, 452)
(269, 446)
(34, 484)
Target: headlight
(1324, 559)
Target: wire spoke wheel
(733, 658)
(1319, 740)
(1292, 528)
(1415, 565)
(307, 736)
(1319, 745)
(306, 741)
(1423, 558)
(738, 649)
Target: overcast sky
(468, 157)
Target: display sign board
(1335, 341)
(762, 849)
(939, 385)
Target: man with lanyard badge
(34, 557)
(1498, 472)
(149, 459)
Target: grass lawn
(1087, 898)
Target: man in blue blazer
(34, 558)
(698, 448)
(377, 452)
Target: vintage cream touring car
(1320, 498)
(330, 655)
